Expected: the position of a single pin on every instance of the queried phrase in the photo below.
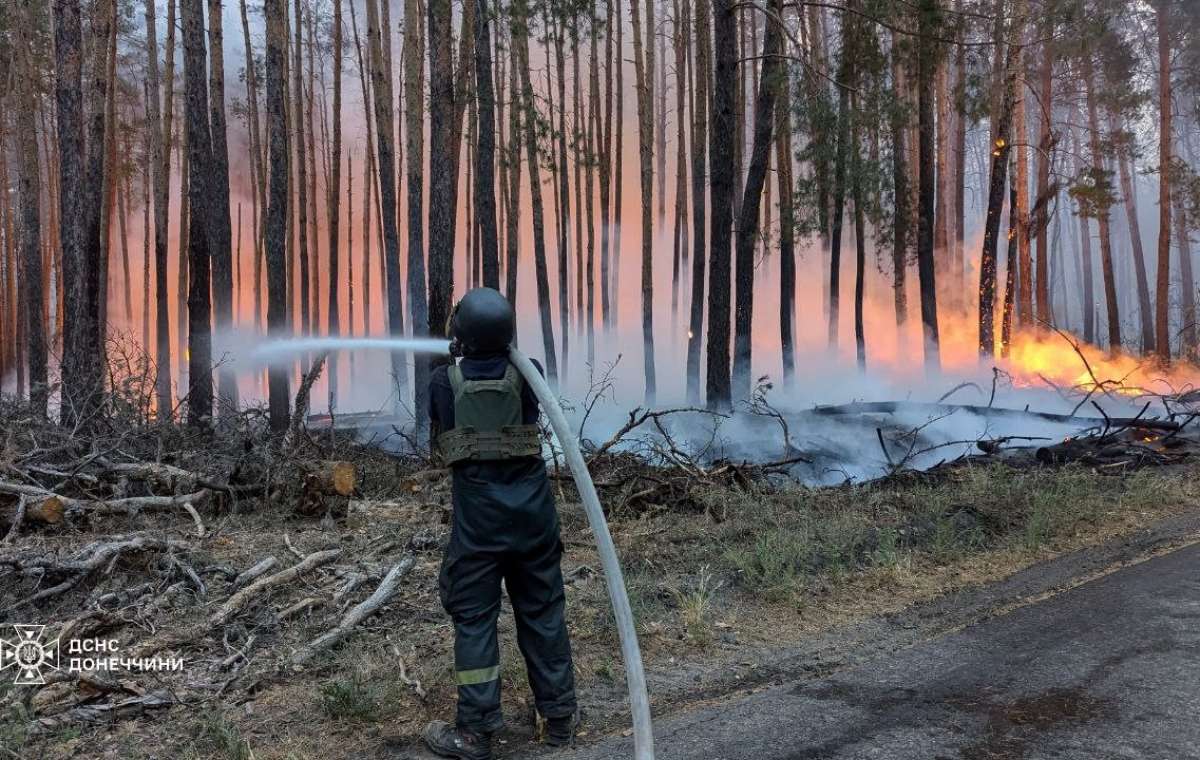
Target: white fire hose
(639, 702)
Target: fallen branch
(386, 590)
(238, 601)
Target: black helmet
(483, 322)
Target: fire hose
(635, 676)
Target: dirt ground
(727, 572)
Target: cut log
(333, 477)
(243, 597)
(44, 510)
(326, 488)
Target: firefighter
(505, 527)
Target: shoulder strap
(455, 375)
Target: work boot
(450, 741)
(560, 732)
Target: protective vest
(488, 420)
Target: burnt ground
(738, 581)
(1107, 669)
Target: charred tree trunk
(998, 178)
(747, 228)
(201, 225)
(277, 208)
(444, 136)
(929, 19)
(700, 115)
(79, 240)
(787, 224)
(721, 150)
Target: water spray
(635, 675)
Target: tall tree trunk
(679, 237)
(1183, 241)
(1085, 241)
(593, 137)
(277, 209)
(558, 139)
(200, 202)
(614, 279)
(1162, 327)
(364, 78)
(1129, 195)
(259, 172)
(221, 240)
(787, 226)
(335, 208)
(1099, 173)
(513, 218)
(109, 174)
(839, 190)
(1010, 276)
(929, 21)
(520, 32)
(605, 161)
(998, 178)
(747, 228)
(1020, 139)
(1045, 107)
(643, 65)
(900, 232)
(384, 119)
(414, 115)
(445, 129)
(700, 109)
(29, 190)
(721, 151)
(485, 164)
(79, 240)
(301, 151)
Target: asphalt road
(1109, 669)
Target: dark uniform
(505, 527)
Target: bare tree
(1099, 175)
